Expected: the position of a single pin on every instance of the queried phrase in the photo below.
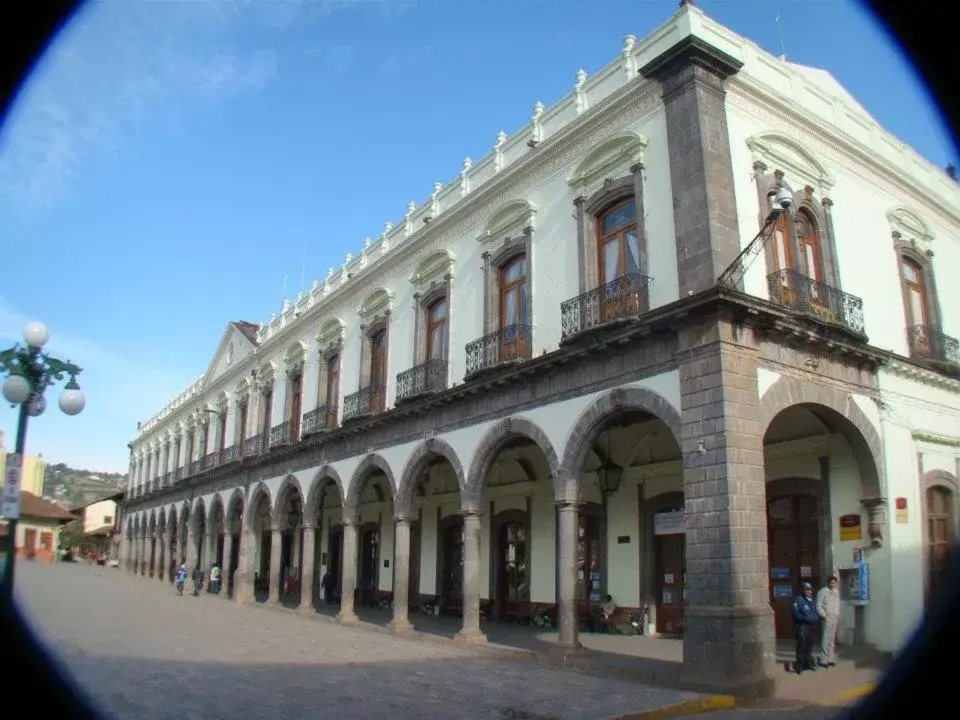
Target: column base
(564, 652)
(307, 609)
(470, 637)
(400, 627)
(730, 650)
(348, 618)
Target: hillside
(72, 487)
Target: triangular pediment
(234, 347)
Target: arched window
(437, 330)
(618, 242)
(915, 290)
(809, 240)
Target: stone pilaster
(401, 576)
(307, 569)
(161, 557)
(568, 527)
(143, 554)
(243, 579)
(470, 632)
(691, 74)
(225, 568)
(191, 553)
(728, 640)
(210, 552)
(276, 574)
(347, 614)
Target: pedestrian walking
(804, 619)
(197, 581)
(181, 578)
(828, 609)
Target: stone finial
(384, 242)
(330, 272)
(629, 62)
(536, 132)
(408, 219)
(435, 200)
(347, 259)
(314, 286)
(581, 96)
(464, 179)
(366, 244)
(498, 151)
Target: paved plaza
(144, 653)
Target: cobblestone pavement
(143, 652)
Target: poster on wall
(669, 523)
(667, 597)
(668, 578)
(780, 573)
(850, 528)
(806, 571)
(783, 591)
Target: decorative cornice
(935, 438)
(909, 371)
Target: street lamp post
(29, 372)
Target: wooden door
(514, 331)
(793, 531)
(335, 564)
(669, 568)
(29, 542)
(588, 560)
(296, 403)
(369, 564)
(619, 259)
(414, 584)
(333, 393)
(940, 535)
(451, 566)
(378, 371)
(782, 291)
(513, 569)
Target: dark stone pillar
(691, 74)
(728, 640)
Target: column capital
(569, 504)
(402, 519)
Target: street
(144, 653)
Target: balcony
(196, 466)
(932, 346)
(253, 446)
(168, 479)
(211, 460)
(510, 344)
(809, 297)
(178, 475)
(228, 455)
(428, 377)
(280, 435)
(318, 420)
(370, 400)
(620, 300)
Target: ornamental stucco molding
(908, 371)
(933, 438)
(786, 117)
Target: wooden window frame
(919, 286)
(443, 325)
(505, 287)
(618, 235)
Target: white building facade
(604, 360)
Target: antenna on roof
(783, 48)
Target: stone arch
(162, 520)
(325, 475)
(493, 441)
(366, 468)
(844, 415)
(289, 486)
(199, 513)
(253, 498)
(415, 465)
(216, 514)
(593, 419)
(236, 498)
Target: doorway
(335, 564)
(369, 563)
(512, 563)
(669, 568)
(414, 591)
(451, 564)
(793, 537)
(589, 560)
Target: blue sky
(170, 163)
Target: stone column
(568, 529)
(191, 554)
(276, 576)
(728, 639)
(691, 74)
(143, 555)
(213, 542)
(162, 561)
(225, 565)
(347, 614)
(135, 554)
(306, 570)
(401, 576)
(125, 554)
(243, 579)
(470, 632)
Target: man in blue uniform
(804, 620)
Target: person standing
(828, 609)
(804, 619)
(180, 578)
(215, 579)
(197, 581)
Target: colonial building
(680, 339)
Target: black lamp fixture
(609, 475)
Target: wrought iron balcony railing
(168, 479)
(805, 295)
(625, 298)
(428, 377)
(280, 435)
(253, 445)
(228, 455)
(319, 419)
(196, 466)
(211, 460)
(366, 401)
(928, 344)
(514, 342)
(178, 475)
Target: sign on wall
(901, 513)
(10, 507)
(851, 528)
(669, 523)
